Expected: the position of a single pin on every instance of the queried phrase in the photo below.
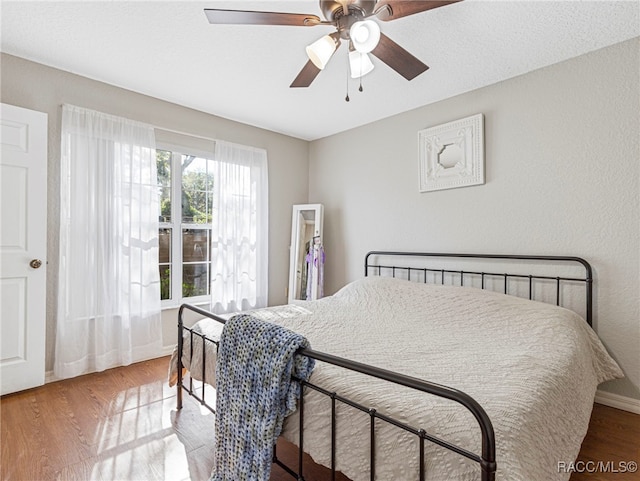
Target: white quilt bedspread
(211, 330)
(534, 367)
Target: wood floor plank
(122, 425)
(82, 471)
(61, 428)
(613, 440)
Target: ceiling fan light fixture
(320, 51)
(365, 35)
(360, 64)
(351, 19)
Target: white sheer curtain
(109, 285)
(239, 252)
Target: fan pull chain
(346, 99)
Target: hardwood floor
(613, 438)
(122, 425)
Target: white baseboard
(167, 350)
(49, 376)
(617, 401)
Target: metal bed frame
(486, 459)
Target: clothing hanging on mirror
(315, 265)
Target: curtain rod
(202, 137)
(147, 123)
(186, 134)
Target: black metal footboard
(486, 459)
(204, 339)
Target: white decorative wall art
(452, 154)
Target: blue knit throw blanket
(254, 390)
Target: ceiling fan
(352, 20)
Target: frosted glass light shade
(320, 51)
(365, 35)
(360, 64)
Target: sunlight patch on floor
(142, 436)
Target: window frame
(177, 225)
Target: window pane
(165, 204)
(194, 207)
(210, 205)
(195, 280)
(196, 182)
(195, 245)
(165, 282)
(164, 258)
(195, 258)
(165, 246)
(163, 161)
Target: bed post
(180, 346)
(589, 283)
(366, 262)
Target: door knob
(35, 263)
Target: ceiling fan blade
(307, 75)
(392, 9)
(398, 58)
(245, 17)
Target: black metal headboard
(458, 276)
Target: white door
(23, 247)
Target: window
(205, 228)
(185, 225)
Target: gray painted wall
(562, 169)
(562, 177)
(37, 87)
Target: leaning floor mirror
(306, 265)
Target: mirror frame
(295, 248)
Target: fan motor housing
(332, 9)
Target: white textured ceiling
(168, 50)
